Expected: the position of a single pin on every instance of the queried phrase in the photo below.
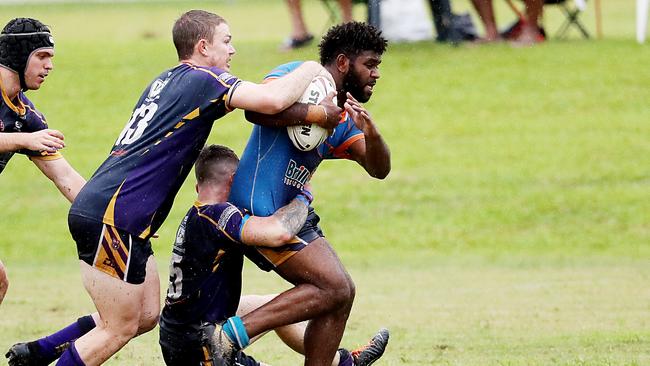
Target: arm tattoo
(292, 216)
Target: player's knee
(350, 291)
(4, 280)
(127, 331)
(341, 292)
(148, 322)
(3, 272)
(353, 290)
(121, 330)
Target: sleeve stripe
(226, 98)
(341, 150)
(244, 221)
(216, 225)
(56, 156)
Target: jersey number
(137, 124)
(175, 278)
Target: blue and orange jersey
(206, 265)
(272, 171)
(135, 187)
(20, 115)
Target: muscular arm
(44, 140)
(371, 152)
(66, 179)
(326, 114)
(277, 229)
(275, 96)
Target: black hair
(215, 163)
(350, 39)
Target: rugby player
(26, 52)
(270, 174)
(207, 259)
(131, 193)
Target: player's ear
(342, 63)
(201, 47)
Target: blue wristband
(302, 198)
(308, 195)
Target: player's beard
(352, 84)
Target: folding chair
(571, 14)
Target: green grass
(514, 228)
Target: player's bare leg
(294, 335)
(4, 281)
(151, 301)
(120, 305)
(47, 349)
(323, 292)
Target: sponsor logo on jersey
(156, 88)
(17, 126)
(2, 125)
(226, 215)
(180, 236)
(296, 176)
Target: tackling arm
(371, 152)
(277, 229)
(66, 179)
(273, 97)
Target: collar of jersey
(20, 108)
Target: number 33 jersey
(135, 187)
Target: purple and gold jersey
(134, 188)
(22, 117)
(272, 171)
(206, 266)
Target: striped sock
(235, 330)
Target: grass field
(514, 228)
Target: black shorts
(181, 346)
(110, 250)
(269, 258)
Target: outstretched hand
(44, 140)
(332, 111)
(358, 113)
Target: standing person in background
(26, 52)
(529, 34)
(300, 36)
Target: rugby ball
(308, 137)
